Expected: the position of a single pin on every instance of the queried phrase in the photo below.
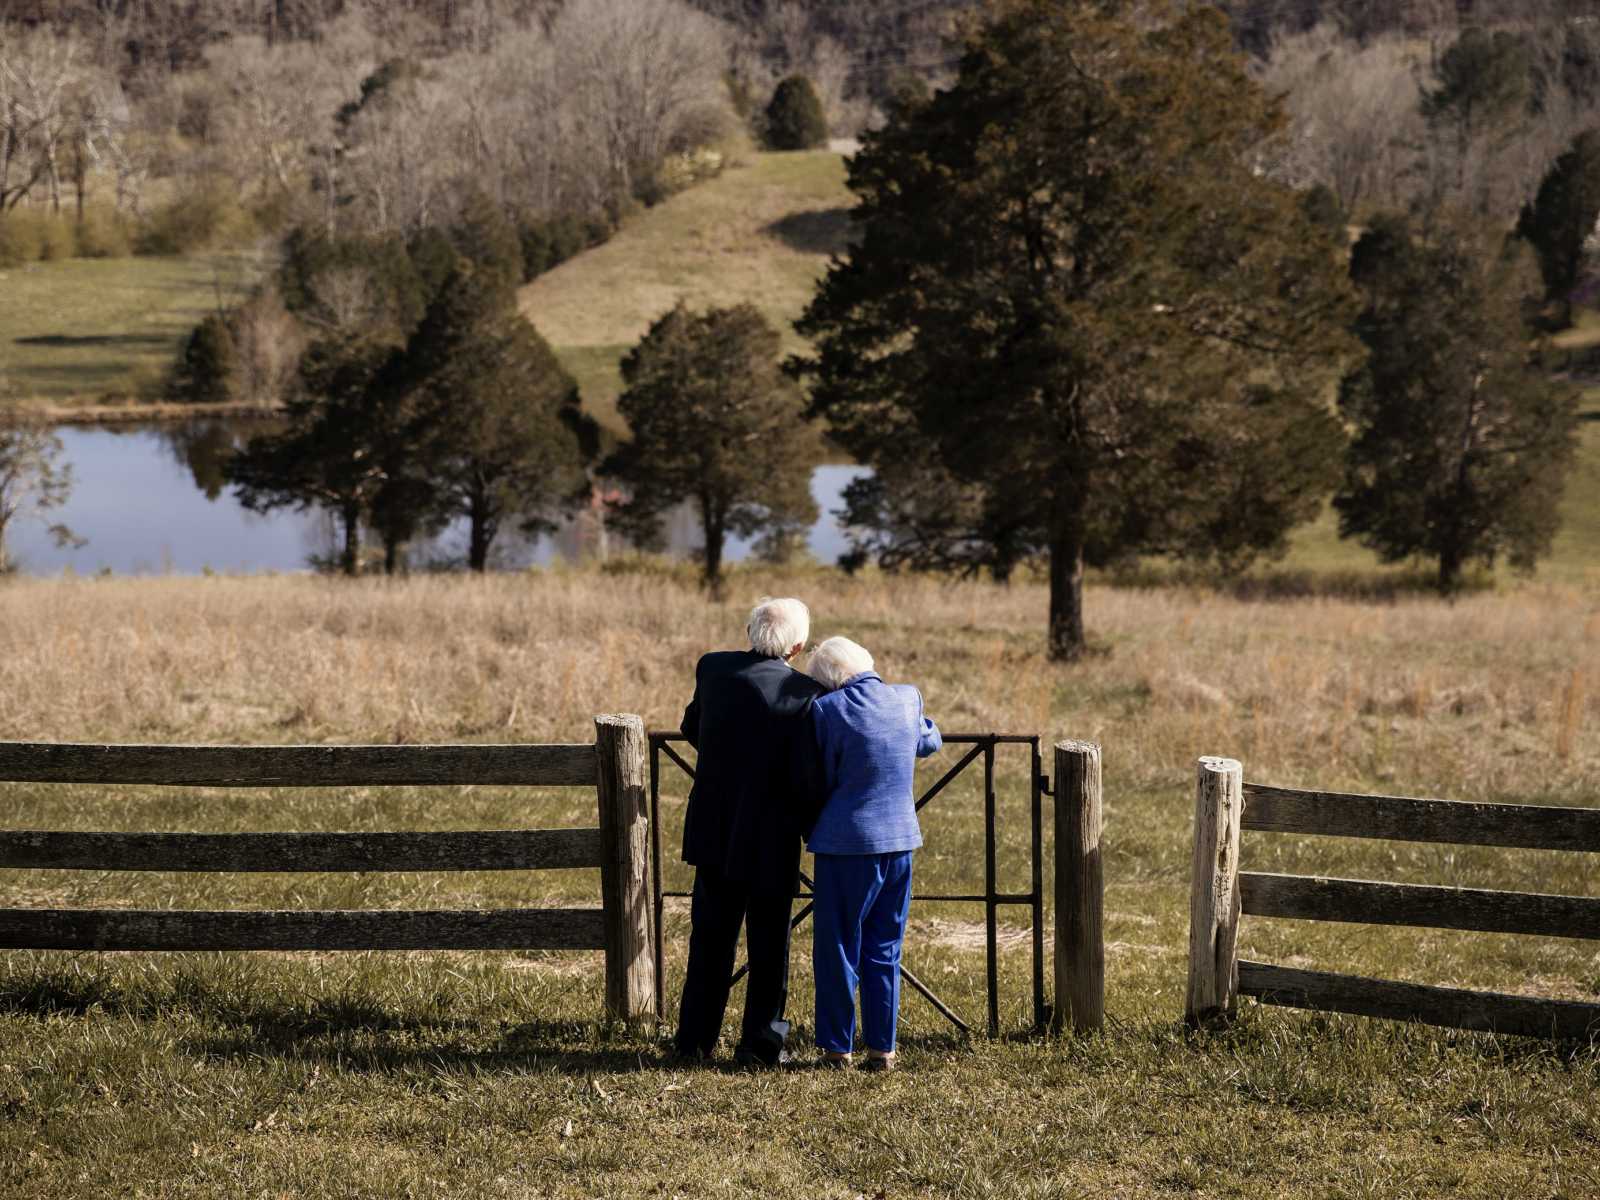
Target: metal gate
(982, 747)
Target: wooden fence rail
(614, 766)
(1221, 893)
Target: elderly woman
(868, 735)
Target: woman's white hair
(837, 660)
(778, 626)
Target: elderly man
(741, 832)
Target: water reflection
(152, 499)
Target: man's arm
(690, 725)
(808, 782)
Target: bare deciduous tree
(33, 482)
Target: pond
(150, 499)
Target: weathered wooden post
(1080, 890)
(1214, 891)
(624, 868)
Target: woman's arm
(929, 739)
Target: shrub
(549, 241)
(795, 120)
(103, 233)
(208, 367)
(57, 238)
(20, 238)
(206, 217)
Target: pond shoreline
(133, 414)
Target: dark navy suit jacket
(747, 722)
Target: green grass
(91, 331)
(760, 233)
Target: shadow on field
(553, 1046)
(230, 1019)
(1365, 586)
(101, 339)
(819, 231)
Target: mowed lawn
(490, 1075)
(760, 233)
(96, 331)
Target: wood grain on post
(169, 929)
(1367, 902)
(1080, 889)
(298, 766)
(624, 867)
(1455, 1008)
(1401, 818)
(486, 850)
(1214, 890)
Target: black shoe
(682, 1056)
(746, 1057)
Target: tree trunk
(1449, 571)
(1067, 641)
(480, 530)
(350, 560)
(391, 555)
(712, 525)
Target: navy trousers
(719, 906)
(861, 906)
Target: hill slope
(762, 232)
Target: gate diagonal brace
(982, 745)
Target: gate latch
(1044, 784)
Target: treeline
(605, 105)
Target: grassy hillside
(439, 1075)
(761, 233)
(92, 331)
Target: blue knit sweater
(868, 736)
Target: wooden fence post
(1080, 890)
(624, 868)
(1214, 891)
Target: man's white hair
(778, 626)
(837, 660)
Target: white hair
(778, 626)
(837, 660)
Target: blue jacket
(868, 736)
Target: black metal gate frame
(982, 744)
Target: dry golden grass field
(489, 1075)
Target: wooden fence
(1221, 893)
(614, 765)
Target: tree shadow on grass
(67, 341)
(553, 1046)
(817, 231)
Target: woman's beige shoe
(835, 1062)
(878, 1062)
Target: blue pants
(861, 905)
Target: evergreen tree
(484, 237)
(332, 451)
(795, 120)
(1462, 444)
(504, 437)
(713, 420)
(209, 365)
(1562, 216)
(1072, 288)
